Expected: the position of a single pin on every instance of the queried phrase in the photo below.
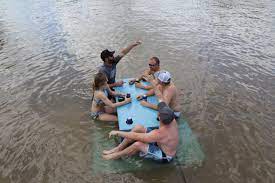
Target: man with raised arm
(110, 61)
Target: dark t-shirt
(110, 72)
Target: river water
(221, 54)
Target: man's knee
(139, 145)
(138, 127)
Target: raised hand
(137, 43)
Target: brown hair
(156, 59)
(99, 80)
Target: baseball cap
(156, 74)
(164, 76)
(166, 114)
(106, 53)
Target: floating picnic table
(189, 151)
(140, 115)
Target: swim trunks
(95, 115)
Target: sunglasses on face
(152, 65)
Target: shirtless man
(165, 90)
(158, 144)
(154, 68)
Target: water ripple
(220, 53)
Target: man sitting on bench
(157, 144)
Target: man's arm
(111, 92)
(111, 104)
(129, 48)
(157, 91)
(167, 96)
(146, 87)
(151, 92)
(112, 85)
(153, 136)
(144, 74)
(149, 105)
(119, 83)
(155, 86)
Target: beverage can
(129, 121)
(131, 82)
(144, 97)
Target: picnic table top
(140, 115)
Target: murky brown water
(221, 53)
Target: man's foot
(106, 152)
(108, 157)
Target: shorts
(95, 115)
(177, 114)
(154, 152)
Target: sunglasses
(152, 65)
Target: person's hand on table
(132, 81)
(120, 94)
(149, 78)
(119, 83)
(138, 85)
(128, 100)
(139, 97)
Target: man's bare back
(170, 96)
(160, 144)
(169, 138)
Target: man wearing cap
(110, 62)
(165, 90)
(157, 144)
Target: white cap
(164, 76)
(156, 74)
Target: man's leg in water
(129, 151)
(125, 142)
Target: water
(221, 54)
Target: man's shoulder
(103, 68)
(171, 88)
(156, 131)
(161, 132)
